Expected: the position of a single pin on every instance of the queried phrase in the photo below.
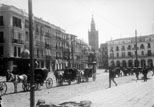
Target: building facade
(104, 56)
(93, 36)
(123, 52)
(53, 47)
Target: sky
(114, 19)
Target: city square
(45, 53)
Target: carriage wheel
(3, 88)
(27, 87)
(49, 83)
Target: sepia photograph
(76, 53)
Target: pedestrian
(145, 72)
(111, 77)
(137, 73)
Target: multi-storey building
(14, 31)
(53, 48)
(123, 52)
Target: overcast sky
(113, 18)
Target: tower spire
(92, 23)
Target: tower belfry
(93, 35)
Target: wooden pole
(32, 99)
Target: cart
(40, 78)
(88, 73)
(69, 75)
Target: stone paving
(134, 94)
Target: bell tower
(93, 35)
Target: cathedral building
(93, 36)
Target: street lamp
(136, 52)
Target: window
(37, 29)
(19, 36)
(142, 46)
(37, 53)
(1, 37)
(27, 36)
(117, 48)
(117, 55)
(1, 51)
(129, 47)
(142, 53)
(123, 48)
(15, 51)
(16, 22)
(1, 21)
(129, 54)
(149, 45)
(149, 53)
(26, 24)
(111, 49)
(123, 54)
(19, 51)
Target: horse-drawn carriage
(67, 75)
(40, 78)
(89, 73)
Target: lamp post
(136, 53)
(32, 99)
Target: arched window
(118, 63)
(150, 63)
(124, 63)
(130, 63)
(143, 63)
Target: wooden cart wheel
(28, 86)
(49, 83)
(3, 88)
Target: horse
(15, 78)
(117, 71)
(59, 76)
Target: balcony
(17, 41)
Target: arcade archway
(124, 63)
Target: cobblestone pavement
(134, 94)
